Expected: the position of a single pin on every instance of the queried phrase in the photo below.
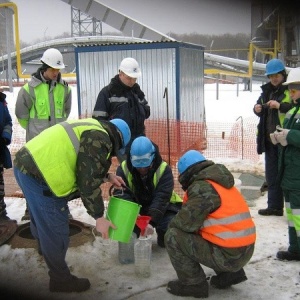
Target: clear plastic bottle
(142, 256)
(126, 251)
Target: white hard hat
(293, 77)
(130, 67)
(53, 58)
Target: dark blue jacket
(117, 100)
(5, 133)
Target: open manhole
(80, 233)
(7, 230)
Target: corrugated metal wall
(176, 68)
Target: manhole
(7, 229)
(80, 233)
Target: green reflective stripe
(175, 198)
(286, 99)
(236, 234)
(127, 174)
(160, 170)
(229, 220)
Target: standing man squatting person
(214, 228)
(124, 99)
(271, 107)
(45, 100)
(66, 161)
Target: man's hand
(102, 226)
(115, 180)
(279, 136)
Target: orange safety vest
(231, 225)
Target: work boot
(270, 212)
(227, 279)
(179, 289)
(26, 216)
(74, 284)
(287, 255)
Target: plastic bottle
(126, 251)
(142, 256)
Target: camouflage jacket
(92, 165)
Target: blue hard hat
(274, 66)
(124, 130)
(142, 152)
(189, 158)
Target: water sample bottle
(126, 250)
(142, 256)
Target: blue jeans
(275, 194)
(49, 223)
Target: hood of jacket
(207, 170)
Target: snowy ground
(24, 271)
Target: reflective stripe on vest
(175, 198)
(59, 171)
(231, 225)
(286, 99)
(293, 217)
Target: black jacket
(117, 100)
(268, 118)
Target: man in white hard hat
(45, 100)
(124, 99)
(288, 139)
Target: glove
(273, 138)
(149, 230)
(279, 136)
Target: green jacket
(289, 159)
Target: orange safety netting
(215, 140)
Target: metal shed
(172, 80)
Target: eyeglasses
(293, 91)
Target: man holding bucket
(150, 183)
(67, 161)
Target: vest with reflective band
(42, 108)
(175, 198)
(231, 225)
(59, 171)
(286, 99)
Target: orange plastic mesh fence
(223, 140)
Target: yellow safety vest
(175, 198)
(57, 161)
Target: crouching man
(213, 228)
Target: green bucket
(123, 215)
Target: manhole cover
(7, 229)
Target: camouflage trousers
(188, 251)
(2, 193)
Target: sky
(49, 18)
(22, 269)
